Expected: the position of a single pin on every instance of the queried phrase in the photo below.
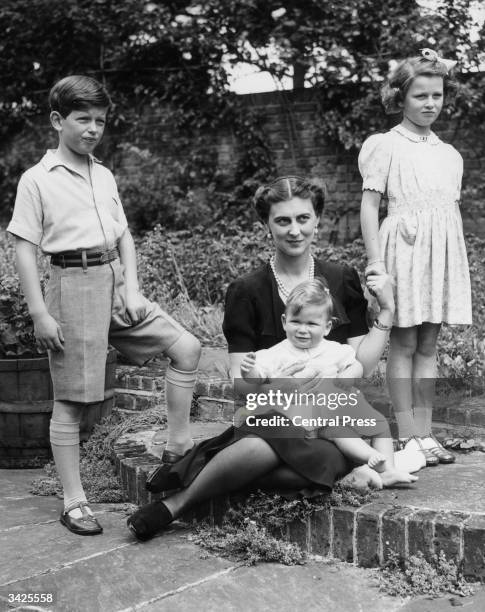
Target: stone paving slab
(275, 588)
(115, 573)
(458, 487)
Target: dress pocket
(408, 227)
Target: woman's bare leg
(231, 469)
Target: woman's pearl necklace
(282, 288)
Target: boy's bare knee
(185, 353)
(66, 412)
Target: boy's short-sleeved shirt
(57, 209)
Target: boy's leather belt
(83, 259)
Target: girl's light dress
(421, 239)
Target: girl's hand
(377, 267)
(135, 306)
(48, 333)
(380, 285)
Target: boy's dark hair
(285, 188)
(76, 92)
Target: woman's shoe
(148, 520)
(415, 443)
(86, 525)
(434, 446)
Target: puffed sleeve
(374, 162)
(239, 324)
(27, 215)
(354, 303)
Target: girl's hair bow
(432, 56)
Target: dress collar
(431, 139)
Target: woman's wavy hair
(285, 188)
(400, 79)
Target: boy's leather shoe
(162, 478)
(169, 457)
(86, 525)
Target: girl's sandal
(431, 459)
(443, 455)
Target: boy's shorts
(90, 308)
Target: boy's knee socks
(180, 378)
(64, 434)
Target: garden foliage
(176, 57)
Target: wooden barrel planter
(26, 406)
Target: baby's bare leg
(360, 451)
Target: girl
(420, 242)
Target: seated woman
(291, 208)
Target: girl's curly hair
(400, 79)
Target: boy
(68, 205)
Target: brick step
(141, 388)
(444, 510)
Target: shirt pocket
(112, 204)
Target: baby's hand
(247, 365)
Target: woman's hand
(290, 371)
(380, 285)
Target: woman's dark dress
(252, 321)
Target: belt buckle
(62, 260)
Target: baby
(307, 320)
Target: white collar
(51, 159)
(431, 138)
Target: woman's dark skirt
(317, 460)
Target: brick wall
(291, 125)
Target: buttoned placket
(93, 194)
